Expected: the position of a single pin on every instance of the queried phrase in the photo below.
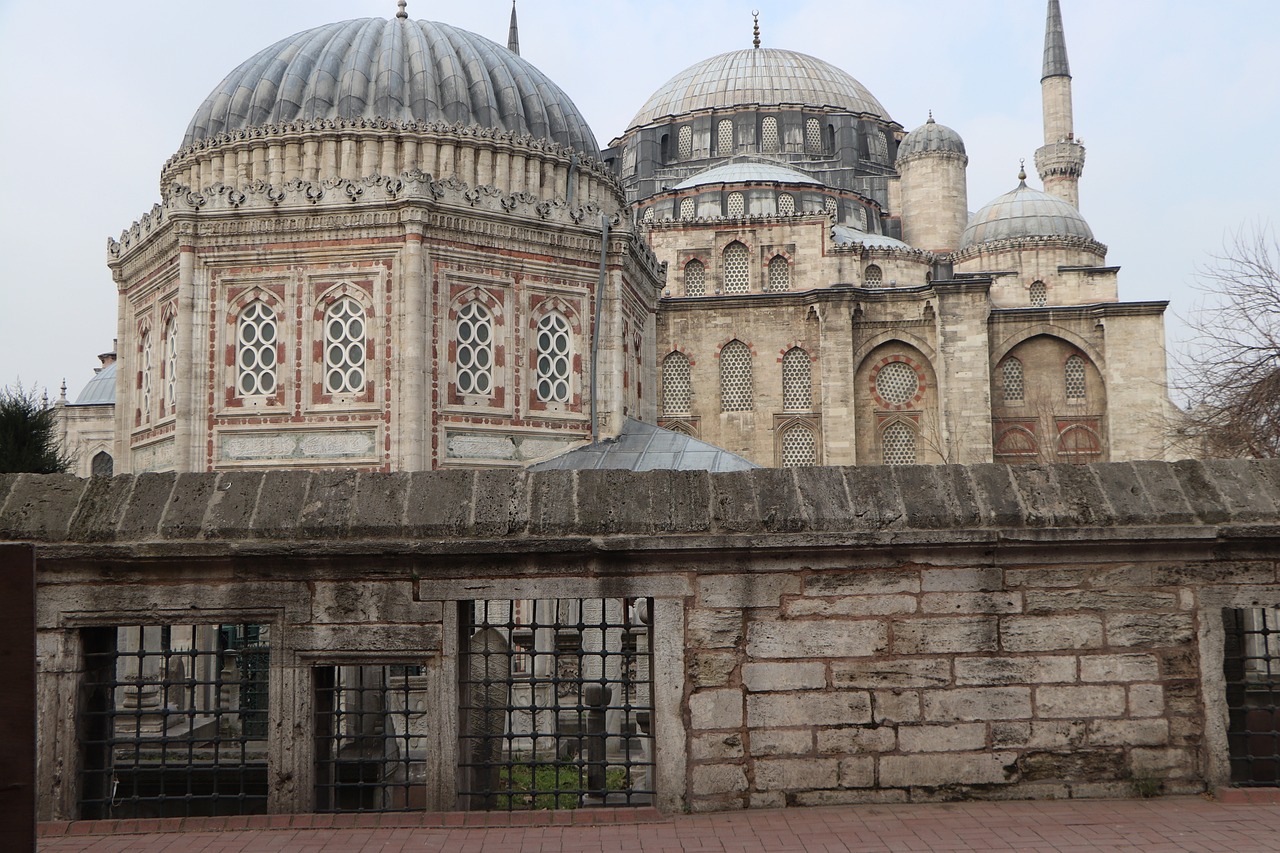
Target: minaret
(513, 35)
(1061, 160)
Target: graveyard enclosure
(295, 642)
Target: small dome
(393, 69)
(101, 390)
(1025, 212)
(845, 236)
(758, 77)
(748, 173)
(931, 137)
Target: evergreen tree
(28, 435)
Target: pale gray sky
(1177, 101)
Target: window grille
(799, 447)
(899, 445)
(256, 356)
(879, 146)
(1251, 670)
(724, 137)
(148, 358)
(786, 205)
(1014, 384)
(737, 272)
(556, 705)
(649, 215)
(779, 274)
(797, 381)
(769, 135)
(736, 393)
(1074, 375)
(873, 277)
(171, 366)
(344, 347)
(695, 279)
(174, 721)
(832, 207)
(688, 208)
(475, 350)
(737, 205)
(684, 143)
(813, 136)
(677, 385)
(1039, 294)
(897, 383)
(553, 359)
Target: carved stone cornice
(1061, 159)
(1025, 243)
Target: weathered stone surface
(857, 772)
(1244, 493)
(716, 709)
(877, 503)
(1125, 493)
(767, 677)
(716, 747)
(928, 771)
(816, 639)
(1137, 667)
(733, 502)
(781, 742)
(710, 669)
(1209, 504)
(1162, 763)
(782, 710)
(862, 583)
(938, 636)
(709, 779)
(853, 605)
(1093, 765)
(1146, 700)
(963, 737)
(862, 739)
(439, 503)
(280, 503)
(1044, 578)
(1084, 501)
(41, 507)
(747, 589)
(1150, 629)
(681, 501)
(895, 706)
(328, 507)
(610, 502)
(1128, 732)
(1050, 633)
(184, 516)
(982, 579)
(379, 508)
(1040, 496)
(930, 504)
(364, 603)
(147, 502)
(778, 499)
(1100, 700)
(1098, 599)
(715, 629)
(971, 602)
(890, 674)
(501, 506)
(997, 499)
(425, 638)
(1015, 670)
(979, 703)
(824, 499)
(1224, 571)
(786, 774)
(230, 511)
(1164, 493)
(102, 505)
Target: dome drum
(760, 199)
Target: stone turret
(1061, 160)
(934, 187)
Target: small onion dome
(396, 70)
(930, 138)
(1025, 212)
(748, 173)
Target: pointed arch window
(779, 274)
(736, 393)
(256, 338)
(649, 216)
(797, 381)
(786, 205)
(171, 366)
(695, 278)
(147, 378)
(769, 135)
(677, 385)
(899, 442)
(102, 465)
(724, 137)
(799, 447)
(737, 269)
(1074, 376)
(344, 347)
(1039, 294)
(474, 350)
(555, 357)
(684, 143)
(1013, 380)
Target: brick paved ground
(1151, 826)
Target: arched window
(813, 136)
(344, 347)
(695, 279)
(256, 351)
(797, 381)
(769, 135)
(799, 447)
(736, 206)
(1013, 380)
(475, 350)
(677, 385)
(688, 208)
(1017, 441)
(786, 205)
(735, 378)
(102, 465)
(831, 139)
(665, 148)
(1039, 294)
(554, 359)
(148, 366)
(832, 207)
(684, 143)
(171, 366)
(737, 269)
(649, 216)
(899, 444)
(1074, 376)
(873, 277)
(1078, 442)
(779, 274)
(724, 137)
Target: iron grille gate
(556, 704)
(1251, 664)
(173, 721)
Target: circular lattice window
(897, 383)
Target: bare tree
(1231, 374)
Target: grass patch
(541, 787)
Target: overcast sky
(1177, 101)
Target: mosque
(394, 245)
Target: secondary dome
(1025, 212)
(748, 173)
(393, 69)
(929, 138)
(759, 77)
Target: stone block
(1050, 633)
(40, 507)
(788, 710)
(1095, 700)
(781, 742)
(1146, 700)
(280, 503)
(1119, 668)
(945, 636)
(788, 774)
(857, 772)
(1057, 734)
(388, 639)
(1010, 734)
(1045, 669)
(733, 503)
(1202, 494)
(863, 582)
(972, 602)
(682, 501)
(1041, 499)
(877, 503)
(102, 505)
(937, 770)
(1092, 765)
(715, 709)
(767, 677)
(891, 674)
(856, 740)
(1083, 497)
(501, 502)
(930, 506)
(1162, 763)
(1099, 600)
(327, 511)
(612, 502)
(184, 515)
(553, 503)
(716, 747)
(715, 629)
(1164, 493)
(816, 639)
(979, 703)
(439, 503)
(778, 499)
(350, 602)
(1044, 578)
(230, 511)
(894, 706)
(854, 605)
(1233, 572)
(997, 500)
(962, 737)
(853, 796)
(982, 579)
(1150, 629)
(147, 502)
(1154, 732)
(710, 669)
(380, 505)
(710, 779)
(1125, 494)
(824, 499)
(747, 589)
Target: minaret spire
(1055, 44)
(513, 36)
(1061, 161)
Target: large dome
(393, 69)
(763, 77)
(1025, 212)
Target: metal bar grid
(1251, 665)
(173, 721)
(371, 738)
(556, 704)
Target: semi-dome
(748, 173)
(929, 138)
(759, 77)
(1025, 212)
(393, 69)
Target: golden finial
(403, 13)
(755, 13)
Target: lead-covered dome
(931, 138)
(759, 77)
(393, 69)
(1025, 212)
